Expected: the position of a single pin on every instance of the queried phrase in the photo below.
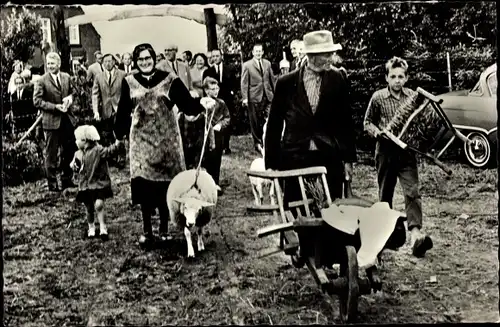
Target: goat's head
(191, 209)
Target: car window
(492, 83)
(477, 90)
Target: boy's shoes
(91, 232)
(421, 246)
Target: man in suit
(54, 96)
(23, 110)
(187, 57)
(222, 73)
(95, 68)
(313, 103)
(257, 90)
(171, 64)
(127, 65)
(106, 94)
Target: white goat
(191, 206)
(257, 183)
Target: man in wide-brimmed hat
(313, 103)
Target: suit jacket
(121, 66)
(253, 84)
(226, 83)
(331, 127)
(183, 71)
(105, 96)
(24, 105)
(94, 70)
(47, 95)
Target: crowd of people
(165, 106)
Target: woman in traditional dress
(156, 153)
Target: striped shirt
(382, 107)
(312, 83)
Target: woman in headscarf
(156, 153)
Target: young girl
(94, 182)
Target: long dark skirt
(149, 193)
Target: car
(474, 113)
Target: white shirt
(218, 69)
(109, 73)
(261, 65)
(56, 78)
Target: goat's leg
(201, 245)
(255, 194)
(259, 190)
(190, 252)
(272, 195)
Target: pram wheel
(348, 297)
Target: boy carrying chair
(391, 161)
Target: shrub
(22, 164)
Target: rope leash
(208, 124)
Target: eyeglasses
(144, 58)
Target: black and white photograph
(250, 163)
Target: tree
(20, 35)
(371, 33)
(62, 40)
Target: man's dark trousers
(62, 137)
(392, 163)
(215, 156)
(257, 115)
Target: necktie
(19, 95)
(58, 83)
(261, 70)
(173, 66)
(109, 79)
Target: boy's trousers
(394, 163)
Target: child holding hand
(94, 186)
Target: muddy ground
(54, 276)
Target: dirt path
(54, 276)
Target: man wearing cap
(313, 103)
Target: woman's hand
(208, 103)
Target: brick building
(84, 39)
